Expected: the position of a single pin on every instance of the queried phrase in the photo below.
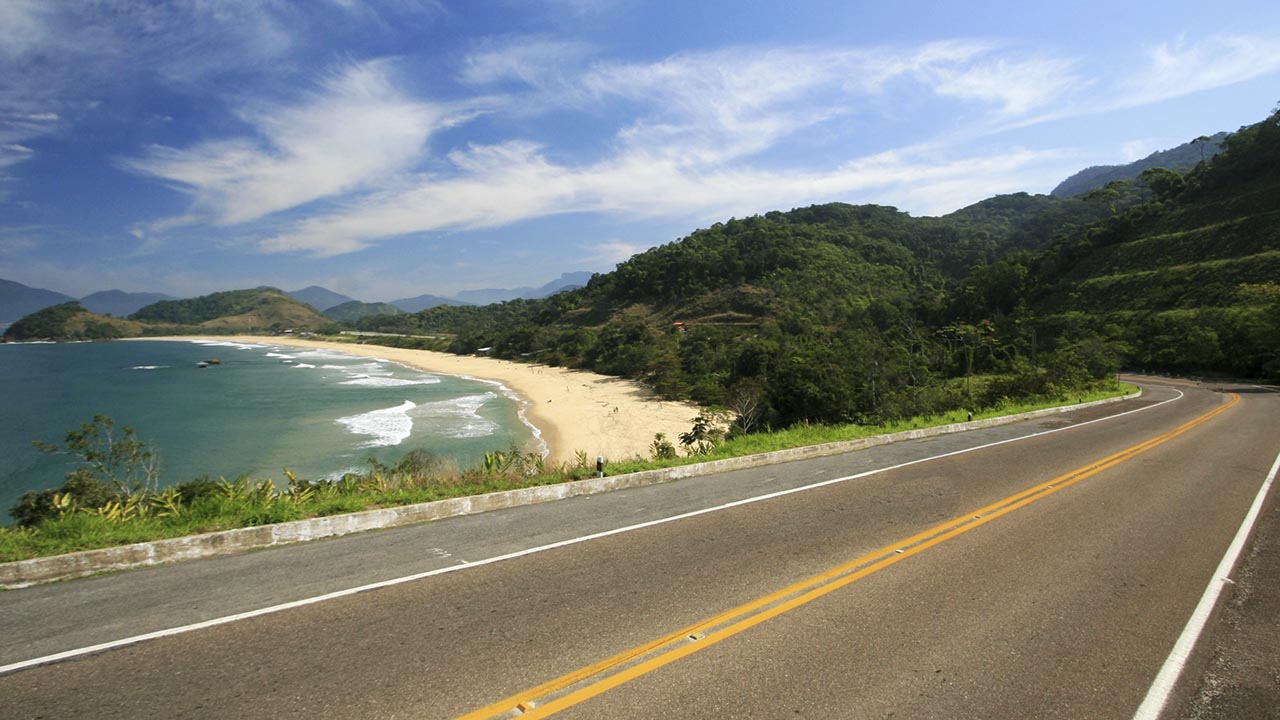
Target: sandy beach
(573, 410)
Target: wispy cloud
(698, 124)
(695, 135)
(505, 184)
(355, 132)
(22, 26)
(538, 62)
(609, 252)
(1015, 87)
(1167, 71)
(1174, 69)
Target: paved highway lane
(1063, 607)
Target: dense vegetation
(1186, 282)
(69, 321)
(831, 313)
(221, 305)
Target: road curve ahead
(1043, 570)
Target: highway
(1038, 570)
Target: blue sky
(388, 148)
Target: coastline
(570, 410)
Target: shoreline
(568, 410)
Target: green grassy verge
(203, 506)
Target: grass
(416, 479)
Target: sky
(389, 148)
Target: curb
(23, 573)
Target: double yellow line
(551, 697)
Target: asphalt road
(1004, 601)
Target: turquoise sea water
(262, 410)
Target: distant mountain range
(120, 303)
(319, 298)
(567, 281)
(18, 300)
(326, 300)
(354, 310)
(1182, 158)
(424, 302)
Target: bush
(81, 487)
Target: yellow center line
(748, 615)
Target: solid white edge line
(1162, 687)
(68, 654)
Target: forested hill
(1187, 282)
(1182, 159)
(829, 312)
(234, 309)
(261, 310)
(839, 312)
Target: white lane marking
(1165, 681)
(68, 654)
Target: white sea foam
(325, 355)
(387, 427)
(304, 365)
(148, 367)
(458, 417)
(522, 412)
(227, 343)
(281, 355)
(367, 381)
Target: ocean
(261, 410)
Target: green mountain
(826, 313)
(1182, 158)
(70, 321)
(1187, 282)
(237, 311)
(355, 310)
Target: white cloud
(1016, 86)
(537, 61)
(13, 153)
(1167, 71)
(1181, 68)
(698, 123)
(508, 183)
(357, 131)
(1137, 149)
(610, 252)
(694, 136)
(22, 26)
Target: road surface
(1043, 570)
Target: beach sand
(573, 410)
